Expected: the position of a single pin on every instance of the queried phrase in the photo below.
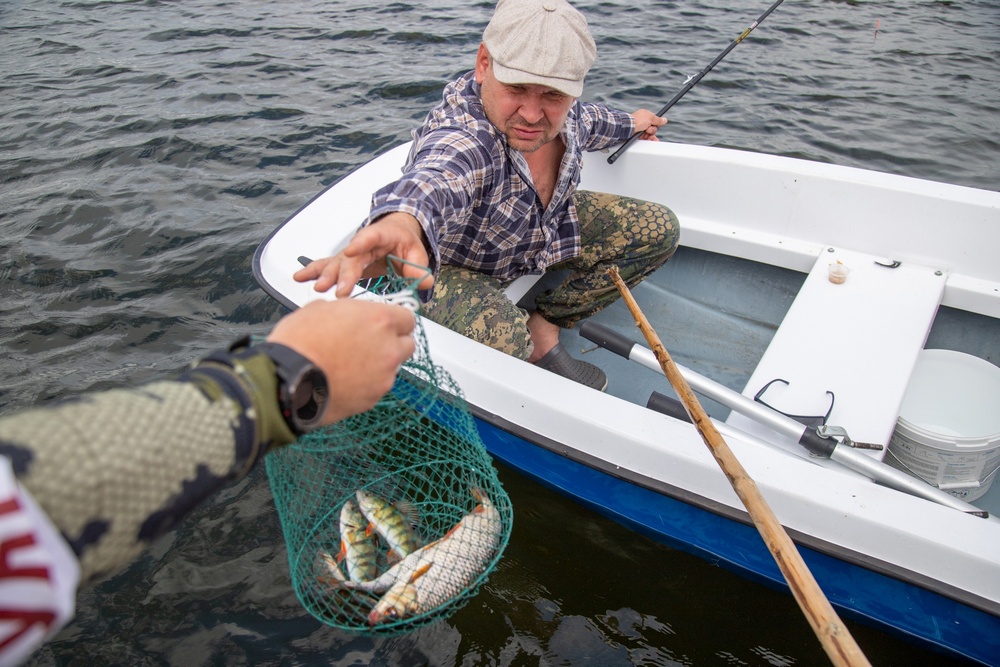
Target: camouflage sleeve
(117, 469)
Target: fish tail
(336, 578)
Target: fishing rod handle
(628, 348)
(621, 149)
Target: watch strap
(283, 356)
(257, 375)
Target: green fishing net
(392, 518)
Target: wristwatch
(303, 393)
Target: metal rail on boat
(809, 437)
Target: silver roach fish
(436, 573)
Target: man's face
(529, 115)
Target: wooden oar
(833, 635)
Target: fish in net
(393, 518)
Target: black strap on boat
(816, 444)
(690, 83)
(668, 405)
(609, 339)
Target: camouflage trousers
(636, 236)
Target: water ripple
(149, 146)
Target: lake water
(147, 147)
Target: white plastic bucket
(948, 432)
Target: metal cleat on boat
(826, 431)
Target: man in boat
(86, 485)
(489, 194)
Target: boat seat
(859, 339)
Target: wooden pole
(833, 635)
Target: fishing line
(693, 81)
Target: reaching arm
(397, 234)
(444, 178)
(117, 469)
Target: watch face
(308, 400)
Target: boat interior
(718, 315)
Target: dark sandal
(559, 361)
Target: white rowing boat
(748, 303)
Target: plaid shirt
(473, 194)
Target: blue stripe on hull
(860, 593)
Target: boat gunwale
(721, 509)
(790, 240)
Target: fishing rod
(693, 81)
